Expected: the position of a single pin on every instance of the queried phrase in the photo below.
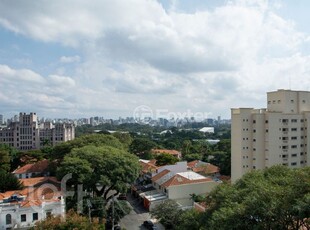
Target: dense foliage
(9, 182)
(71, 222)
(274, 198)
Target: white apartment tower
(279, 134)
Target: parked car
(148, 224)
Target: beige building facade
(26, 133)
(279, 134)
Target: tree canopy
(9, 182)
(105, 166)
(73, 221)
(274, 198)
(64, 148)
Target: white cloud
(61, 80)
(136, 52)
(70, 59)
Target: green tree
(9, 182)
(274, 198)
(124, 138)
(192, 157)
(189, 219)
(64, 148)
(107, 167)
(187, 144)
(72, 221)
(168, 213)
(141, 146)
(165, 159)
(4, 160)
(121, 209)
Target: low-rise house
(175, 182)
(203, 168)
(172, 152)
(40, 198)
(37, 169)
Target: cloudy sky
(81, 58)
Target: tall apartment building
(279, 134)
(25, 133)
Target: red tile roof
(148, 166)
(203, 167)
(34, 196)
(38, 167)
(180, 180)
(160, 175)
(37, 180)
(192, 164)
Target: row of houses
(176, 182)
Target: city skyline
(75, 59)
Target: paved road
(134, 220)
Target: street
(134, 220)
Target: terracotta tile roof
(203, 167)
(160, 175)
(37, 180)
(180, 180)
(168, 151)
(192, 164)
(148, 166)
(34, 196)
(38, 167)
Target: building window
(292, 101)
(293, 129)
(294, 146)
(266, 121)
(23, 218)
(294, 155)
(293, 163)
(293, 138)
(279, 101)
(8, 219)
(254, 121)
(35, 216)
(293, 120)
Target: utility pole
(89, 209)
(112, 212)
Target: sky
(81, 58)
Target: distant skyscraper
(1, 119)
(279, 134)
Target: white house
(39, 168)
(40, 198)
